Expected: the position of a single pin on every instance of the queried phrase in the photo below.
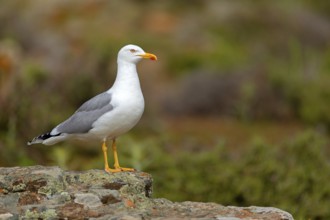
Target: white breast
(127, 100)
(128, 109)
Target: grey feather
(82, 120)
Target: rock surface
(51, 193)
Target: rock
(39, 192)
(88, 200)
(6, 216)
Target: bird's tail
(41, 138)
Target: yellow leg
(105, 154)
(115, 156)
(106, 165)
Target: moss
(19, 187)
(47, 214)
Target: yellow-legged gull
(109, 114)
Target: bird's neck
(127, 77)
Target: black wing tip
(41, 138)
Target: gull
(109, 114)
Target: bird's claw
(125, 169)
(119, 169)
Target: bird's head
(133, 54)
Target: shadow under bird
(109, 114)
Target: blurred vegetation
(237, 107)
(292, 176)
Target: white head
(133, 54)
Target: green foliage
(306, 91)
(247, 94)
(293, 176)
(33, 75)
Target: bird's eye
(133, 50)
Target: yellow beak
(149, 56)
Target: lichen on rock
(39, 192)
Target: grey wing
(82, 120)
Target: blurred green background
(237, 106)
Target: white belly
(125, 115)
